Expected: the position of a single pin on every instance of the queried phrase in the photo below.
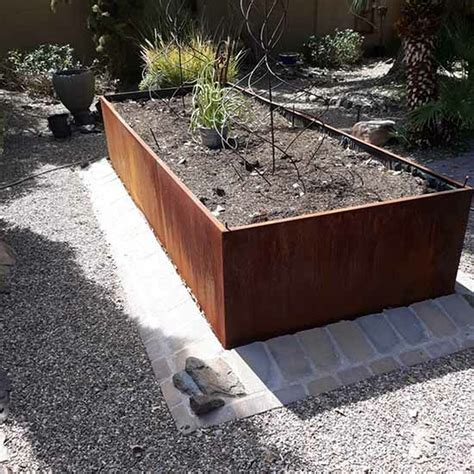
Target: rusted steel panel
(298, 273)
(190, 234)
(262, 280)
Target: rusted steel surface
(263, 280)
(299, 273)
(190, 234)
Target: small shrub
(450, 115)
(342, 48)
(31, 71)
(167, 65)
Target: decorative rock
(376, 132)
(185, 383)
(203, 404)
(214, 377)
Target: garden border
(257, 281)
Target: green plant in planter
(215, 108)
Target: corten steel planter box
(258, 281)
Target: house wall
(28, 23)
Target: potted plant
(214, 109)
(75, 88)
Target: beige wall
(305, 17)
(28, 23)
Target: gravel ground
(84, 394)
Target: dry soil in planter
(332, 178)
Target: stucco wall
(28, 23)
(305, 17)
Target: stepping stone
(351, 341)
(290, 394)
(290, 357)
(353, 375)
(440, 349)
(380, 333)
(256, 356)
(7, 255)
(435, 320)
(459, 309)
(413, 357)
(323, 385)
(407, 324)
(320, 349)
(384, 366)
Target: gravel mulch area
(85, 398)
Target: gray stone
(5, 389)
(320, 349)
(434, 319)
(407, 324)
(290, 358)
(323, 385)
(440, 349)
(7, 255)
(203, 404)
(353, 375)
(214, 377)
(380, 333)
(459, 309)
(351, 341)
(290, 394)
(384, 366)
(262, 364)
(185, 383)
(413, 357)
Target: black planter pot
(59, 125)
(75, 88)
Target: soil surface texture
(313, 172)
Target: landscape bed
(272, 254)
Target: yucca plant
(171, 64)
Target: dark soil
(239, 187)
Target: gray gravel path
(85, 398)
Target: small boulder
(376, 132)
(214, 377)
(203, 404)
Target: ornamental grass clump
(172, 64)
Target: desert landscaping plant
(342, 48)
(172, 63)
(32, 70)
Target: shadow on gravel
(84, 395)
(29, 148)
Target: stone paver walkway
(280, 370)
